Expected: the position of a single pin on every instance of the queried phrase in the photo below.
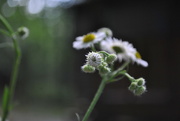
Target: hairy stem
(95, 99)
(129, 77)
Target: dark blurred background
(51, 85)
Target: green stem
(119, 70)
(95, 99)
(15, 70)
(123, 66)
(129, 77)
(93, 48)
(6, 24)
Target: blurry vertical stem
(12, 85)
(95, 99)
(93, 48)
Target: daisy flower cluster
(123, 49)
(109, 51)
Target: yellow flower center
(117, 49)
(88, 38)
(138, 55)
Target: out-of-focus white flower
(1, 119)
(23, 32)
(136, 57)
(88, 40)
(94, 59)
(107, 31)
(122, 49)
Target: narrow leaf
(5, 99)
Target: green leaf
(5, 102)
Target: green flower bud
(132, 86)
(104, 64)
(140, 90)
(140, 82)
(111, 58)
(103, 69)
(88, 69)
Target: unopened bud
(94, 59)
(104, 64)
(140, 82)
(88, 69)
(103, 69)
(140, 90)
(132, 86)
(111, 58)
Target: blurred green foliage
(46, 69)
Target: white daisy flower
(122, 49)
(94, 59)
(88, 40)
(138, 59)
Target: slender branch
(123, 66)
(6, 24)
(95, 99)
(15, 69)
(93, 48)
(129, 77)
(119, 70)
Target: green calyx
(103, 69)
(140, 82)
(88, 69)
(132, 86)
(140, 90)
(111, 58)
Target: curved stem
(6, 24)
(129, 77)
(95, 99)
(15, 70)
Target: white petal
(79, 38)
(77, 45)
(142, 62)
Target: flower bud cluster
(99, 61)
(138, 86)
